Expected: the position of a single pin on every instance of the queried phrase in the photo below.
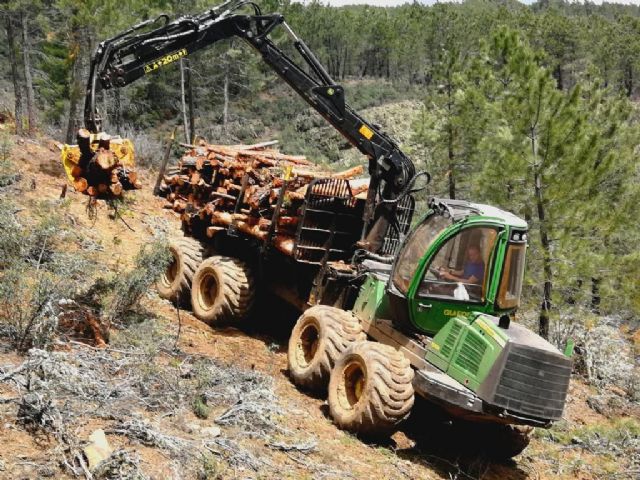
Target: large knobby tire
(222, 291)
(175, 283)
(370, 391)
(319, 338)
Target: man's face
(474, 254)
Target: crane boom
(140, 50)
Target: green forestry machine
(389, 311)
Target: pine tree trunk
(557, 74)
(117, 100)
(76, 87)
(628, 79)
(450, 153)
(192, 110)
(183, 99)
(28, 77)
(595, 295)
(225, 107)
(17, 87)
(545, 306)
(345, 62)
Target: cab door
(454, 279)
(419, 242)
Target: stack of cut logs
(205, 185)
(102, 166)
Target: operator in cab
(472, 269)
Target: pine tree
(550, 151)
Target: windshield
(414, 249)
(512, 275)
(459, 270)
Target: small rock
(599, 404)
(192, 427)
(211, 431)
(576, 441)
(98, 450)
(2, 466)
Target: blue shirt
(474, 269)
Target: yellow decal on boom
(366, 132)
(435, 346)
(166, 60)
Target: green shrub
(37, 277)
(122, 293)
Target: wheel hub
(308, 344)
(208, 291)
(171, 272)
(353, 384)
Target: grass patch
(200, 408)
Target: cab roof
(459, 209)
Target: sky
(391, 3)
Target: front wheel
(222, 291)
(319, 338)
(370, 391)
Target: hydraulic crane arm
(140, 50)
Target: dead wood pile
(208, 180)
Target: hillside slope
(194, 402)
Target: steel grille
(534, 383)
(471, 353)
(450, 341)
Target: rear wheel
(222, 291)
(175, 283)
(318, 339)
(370, 391)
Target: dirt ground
(416, 452)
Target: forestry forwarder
(388, 312)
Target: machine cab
(461, 258)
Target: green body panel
(372, 301)
(439, 311)
(466, 349)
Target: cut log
(104, 141)
(211, 231)
(80, 184)
(76, 171)
(349, 173)
(84, 144)
(105, 159)
(116, 189)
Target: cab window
(414, 249)
(459, 271)
(512, 275)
